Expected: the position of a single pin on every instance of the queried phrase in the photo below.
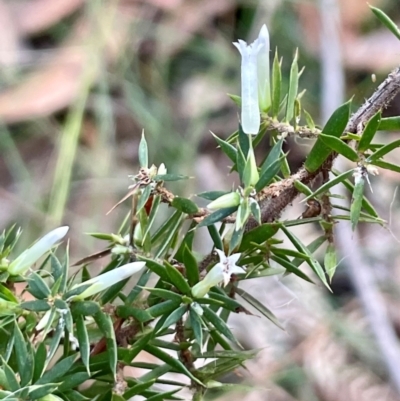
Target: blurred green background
(80, 80)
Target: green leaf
(143, 152)
(105, 324)
(367, 206)
(309, 120)
(169, 230)
(259, 306)
(356, 202)
(270, 166)
(330, 261)
(177, 279)
(293, 88)
(258, 235)
(243, 214)
(163, 308)
(164, 294)
(312, 262)
(215, 236)
(73, 380)
(383, 151)
(138, 389)
(217, 216)
(40, 361)
(83, 340)
(143, 198)
(276, 85)
(174, 363)
(339, 146)
(195, 322)
(236, 99)
(334, 127)
(128, 311)
(244, 141)
(387, 166)
(290, 267)
(389, 124)
(20, 348)
(369, 132)
(37, 286)
(39, 305)
(58, 371)
(191, 266)
(174, 317)
(55, 341)
(302, 188)
(219, 324)
(212, 195)
(156, 268)
(240, 164)
(85, 308)
(184, 205)
(42, 390)
(11, 378)
(227, 148)
(162, 396)
(170, 177)
(386, 21)
(331, 183)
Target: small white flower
(36, 251)
(255, 86)
(106, 280)
(221, 272)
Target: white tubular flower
(255, 90)
(36, 251)
(221, 272)
(106, 280)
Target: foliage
(74, 327)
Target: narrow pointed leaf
(259, 306)
(330, 261)
(339, 146)
(384, 150)
(217, 216)
(143, 153)
(293, 88)
(334, 127)
(227, 148)
(177, 279)
(276, 85)
(389, 124)
(387, 166)
(331, 183)
(175, 363)
(312, 262)
(369, 132)
(386, 21)
(356, 202)
(83, 340)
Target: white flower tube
(255, 80)
(36, 251)
(106, 280)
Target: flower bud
(36, 251)
(228, 200)
(106, 280)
